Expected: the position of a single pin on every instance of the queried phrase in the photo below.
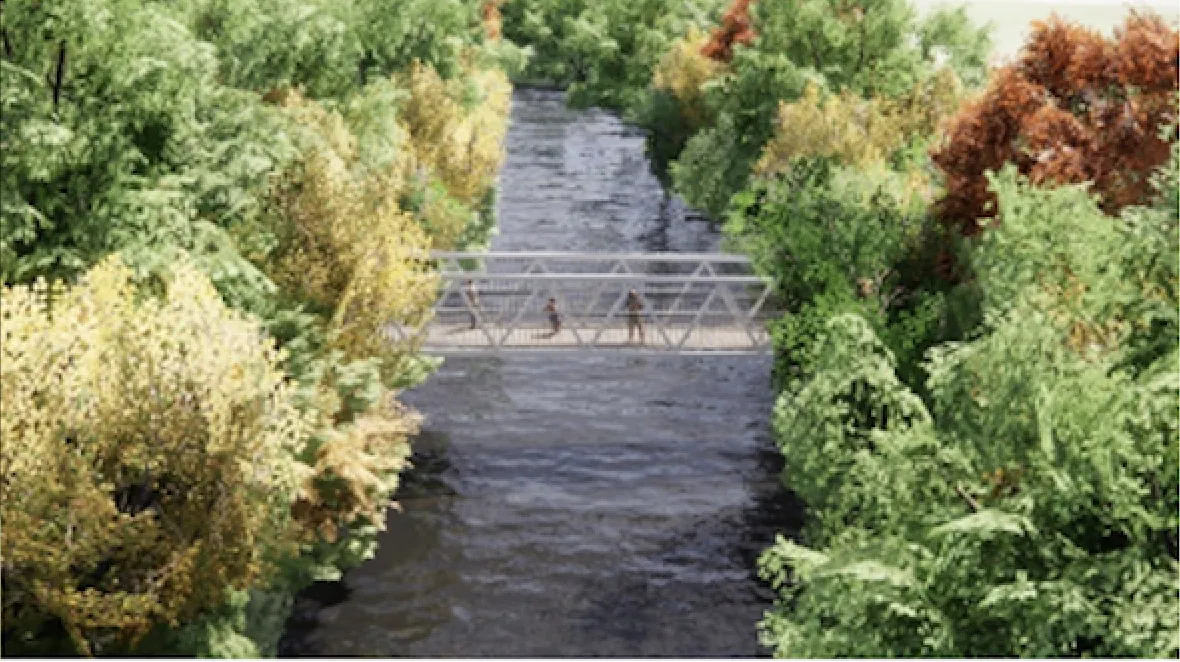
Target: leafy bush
(827, 227)
(1030, 509)
(148, 464)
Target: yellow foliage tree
(355, 470)
(346, 246)
(344, 243)
(460, 144)
(147, 466)
(684, 70)
(855, 130)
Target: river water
(573, 505)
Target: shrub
(148, 462)
(1031, 508)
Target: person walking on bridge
(554, 316)
(634, 321)
(472, 295)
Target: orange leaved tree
(1074, 107)
(734, 28)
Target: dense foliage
(735, 28)
(990, 461)
(227, 202)
(877, 48)
(1029, 506)
(156, 473)
(1075, 107)
(208, 210)
(603, 52)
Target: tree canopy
(1075, 107)
(208, 211)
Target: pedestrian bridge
(683, 303)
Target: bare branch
(967, 497)
(60, 75)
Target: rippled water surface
(573, 505)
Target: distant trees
(873, 48)
(604, 51)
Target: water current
(573, 505)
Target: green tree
(874, 48)
(1030, 509)
(605, 52)
(118, 138)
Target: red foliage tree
(734, 28)
(1074, 107)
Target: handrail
(626, 278)
(718, 258)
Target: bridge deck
(459, 338)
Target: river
(574, 505)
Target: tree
(1029, 507)
(1075, 107)
(117, 137)
(148, 464)
(603, 51)
(734, 29)
(854, 130)
(869, 48)
(284, 151)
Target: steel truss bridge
(496, 302)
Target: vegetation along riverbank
(210, 208)
(978, 374)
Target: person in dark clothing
(634, 320)
(554, 316)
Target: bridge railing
(701, 264)
(695, 303)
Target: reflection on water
(573, 505)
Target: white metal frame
(694, 304)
